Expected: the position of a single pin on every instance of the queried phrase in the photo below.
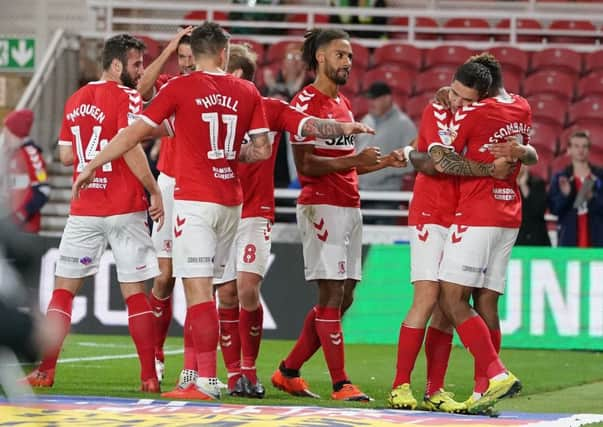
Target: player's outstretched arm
(309, 164)
(449, 162)
(395, 159)
(259, 148)
(121, 143)
(152, 71)
(327, 129)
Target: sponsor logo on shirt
(505, 194)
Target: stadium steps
(56, 211)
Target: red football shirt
(212, 112)
(257, 179)
(337, 188)
(434, 197)
(485, 201)
(93, 115)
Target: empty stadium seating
(404, 55)
(480, 26)
(447, 55)
(560, 59)
(552, 82)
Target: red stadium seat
(447, 55)
(361, 56)
(359, 107)
(560, 59)
(354, 84)
(523, 24)
(404, 55)
(431, 80)
(416, 105)
(542, 169)
(512, 82)
(586, 112)
(546, 136)
(569, 25)
(591, 84)
(400, 99)
(471, 24)
(302, 17)
(276, 51)
(559, 163)
(399, 80)
(152, 51)
(424, 27)
(593, 61)
(548, 109)
(201, 15)
(256, 47)
(511, 59)
(553, 82)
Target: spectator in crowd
(361, 19)
(291, 77)
(533, 231)
(576, 197)
(28, 179)
(394, 130)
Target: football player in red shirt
(111, 209)
(160, 296)
(328, 215)
(212, 112)
(29, 188)
(241, 329)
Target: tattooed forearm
(320, 128)
(448, 162)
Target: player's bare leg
(230, 341)
(142, 330)
(473, 331)
(59, 315)
(160, 298)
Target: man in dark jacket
(576, 197)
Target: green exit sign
(17, 54)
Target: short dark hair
(241, 56)
(474, 76)
(315, 39)
(491, 63)
(185, 39)
(580, 134)
(117, 47)
(208, 39)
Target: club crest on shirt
(447, 136)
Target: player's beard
(338, 75)
(127, 80)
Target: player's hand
(502, 168)
(395, 159)
(156, 210)
(83, 180)
(564, 185)
(441, 96)
(172, 46)
(512, 149)
(350, 128)
(369, 156)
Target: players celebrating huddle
(216, 186)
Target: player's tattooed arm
(512, 149)
(422, 162)
(259, 148)
(327, 129)
(448, 162)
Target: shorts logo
(423, 235)
(71, 259)
(341, 267)
(86, 260)
(479, 270)
(141, 267)
(336, 338)
(178, 227)
(267, 231)
(320, 226)
(460, 229)
(167, 245)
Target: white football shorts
(163, 239)
(426, 249)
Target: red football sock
(438, 345)
(190, 358)
(205, 328)
(251, 336)
(328, 329)
(480, 376)
(475, 336)
(162, 310)
(59, 314)
(307, 344)
(142, 331)
(409, 344)
(230, 343)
